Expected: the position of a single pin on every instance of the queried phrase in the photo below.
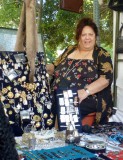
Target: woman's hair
(7, 141)
(85, 22)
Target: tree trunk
(31, 36)
(27, 35)
(21, 34)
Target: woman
(88, 68)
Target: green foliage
(10, 13)
(58, 26)
(108, 48)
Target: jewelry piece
(16, 66)
(76, 64)
(11, 74)
(21, 100)
(66, 102)
(10, 112)
(61, 101)
(49, 155)
(51, 115)
(10, 95)
(11, 101)
(4, 90)
(30, 153)
(87, 91)
(31, 86)
(65, 93)
(17, 95)
(38, 124)
(36, 118)
(45, 115)
(70, 94)
(31, 111)
(23, 95)
(3, 61)
(69, 70)
(29, 96)
(25, 72)
(42, 90)
(24, 114)
(25, 101)
(7, 106)
(9, 87)
(4, 66)
(48, 104)
(42, 156)
(19, 106)
(49, 122)
(62, 118)
(23, 78)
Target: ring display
(68, 110)
(96, 147)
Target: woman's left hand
(82, 94)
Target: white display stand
(119, 84)
(118, 116)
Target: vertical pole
(96, 17)
(115, 55)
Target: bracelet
(87, 91)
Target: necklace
(69, 70)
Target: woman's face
(87, 38)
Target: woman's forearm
(93, 88)
(98, 85)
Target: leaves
(57, 26)
(9, 13)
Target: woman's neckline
(75, 59)
(77, 54)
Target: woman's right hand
(50, 69)
(82, 94)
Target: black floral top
(76, 73)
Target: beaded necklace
(69, 70)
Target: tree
(10, 13)
(57, 26)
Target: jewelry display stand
(68, 110)
(25, 102)
(66, 153)
(24, 85)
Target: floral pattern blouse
(76, 73)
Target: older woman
(88, 68)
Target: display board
(25, 103)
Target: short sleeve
(65, 53)
(105, 67)
(59, 59)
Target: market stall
(27, 102)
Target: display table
(50, 144)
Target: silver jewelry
(87, 91)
